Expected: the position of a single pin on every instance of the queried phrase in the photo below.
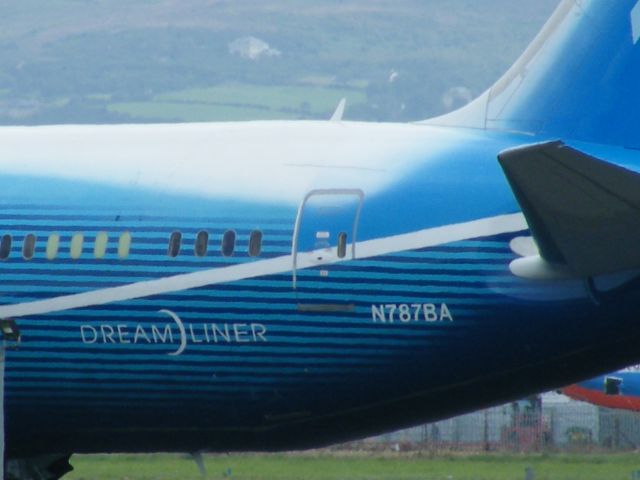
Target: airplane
(619, 390)
(279, 285)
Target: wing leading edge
(584, 213)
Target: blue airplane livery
(285, 285)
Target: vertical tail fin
(579, 79)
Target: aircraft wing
(584, 213)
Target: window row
(227, 247)
(101, 242)
(76, 246)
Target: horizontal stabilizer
(583, 212)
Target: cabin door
(325, 236)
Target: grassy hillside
(169, 60)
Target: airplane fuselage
(273, 285)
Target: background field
(354, 466)
(98, 61)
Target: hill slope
(170, 60)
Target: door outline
(356, 192)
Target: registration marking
(411, 313)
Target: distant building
(456, 97)
(252, 48)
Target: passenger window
(255, 243)
(342, 245)
(77, 242)
(202, 243)
(228, 243)
(174, 244)
(124, 245)
(29, 246)
(5, 247)
(53, 244)
(100, 247)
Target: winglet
(339, 113)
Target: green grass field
(196, 112)
(357, 466)
(275, 97)
(233, 102)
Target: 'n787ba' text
(411, 312)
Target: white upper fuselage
(275, 161)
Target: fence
(548, 423)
